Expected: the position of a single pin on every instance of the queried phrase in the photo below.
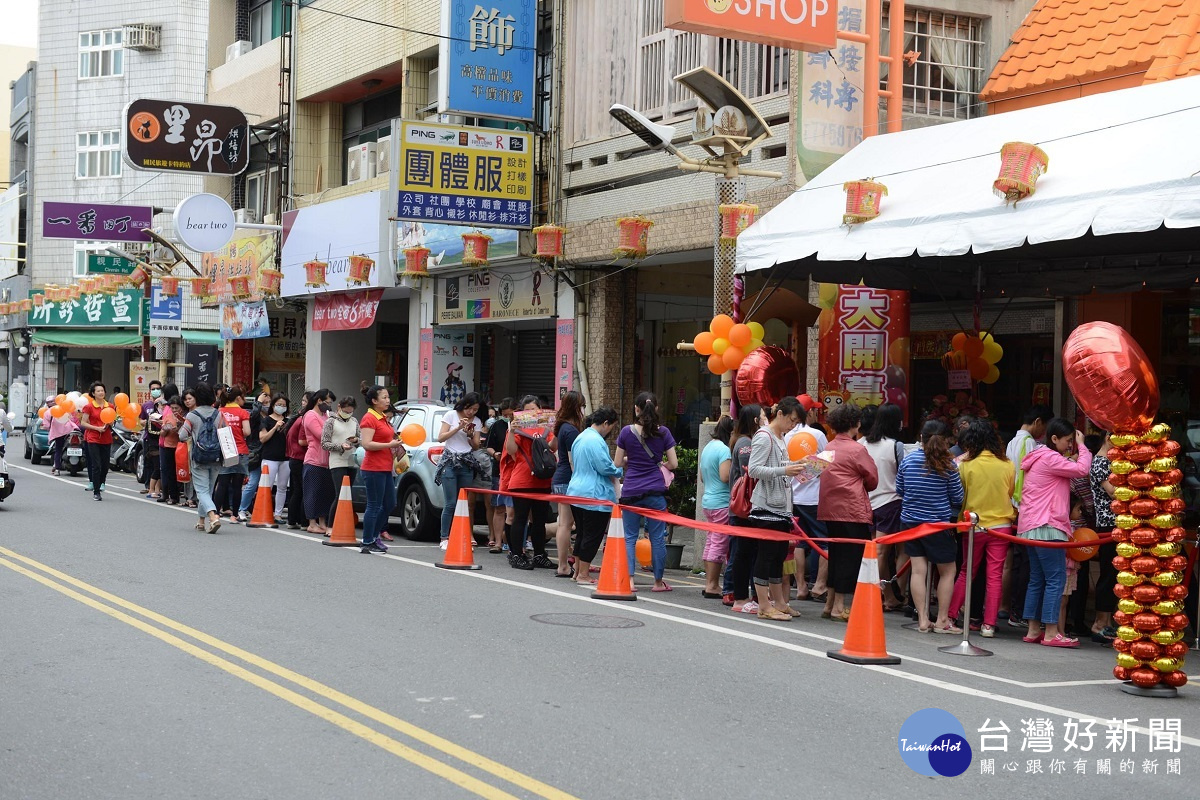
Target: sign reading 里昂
(352, 311)
(795, 24)
(120, 310)
(466, 176)
(166, 314)
(829, 104)
(95, 221)
(174, 136)
(488, 53)
(494, 295)
(104, 264)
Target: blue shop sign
(488, 58)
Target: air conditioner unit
(142, 36)
(360, 162)
(383, 155)
(241, 215)
(237, 50)
(269, 219)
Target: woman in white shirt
(457, 468)
(887, 452)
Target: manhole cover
(587, 621)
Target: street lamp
(728, 130)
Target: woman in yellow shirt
(987, 478)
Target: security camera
(657, 136)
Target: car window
(414, 416)
(437, 419)
(1194, 436)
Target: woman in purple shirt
(643, 449)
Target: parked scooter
(126, 448)
(7, 484)
(73, 457)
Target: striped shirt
(927, 495)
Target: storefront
(76, 342)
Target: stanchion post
(965, 648)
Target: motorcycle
(126, 449)
(73, 457)
(7, 484)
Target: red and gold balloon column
(1114, 384)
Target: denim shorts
(498, 500)
(560, 489)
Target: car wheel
(28, 449)
(140, 470)
(417, 519)
(36, 457)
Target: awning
(1116, 207)
(204, 337)
(79, 337)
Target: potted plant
(681, 499)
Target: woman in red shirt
(521, 482)
(381, 446)
(98, 435)
(228, 495)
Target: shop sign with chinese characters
(494, 295)
(488, 53)
(120, 310)
(863, 348)
(455, 175)
(243, 256)
(283, 350)
(175, 136)
(829, 102)
(95, 221)
(352, 311)
(244, 321)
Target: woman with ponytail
(646, 451)
(929, 484)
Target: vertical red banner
(242, 370)
(564, 358)
(425, 369)
(863, 349)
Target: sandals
(772, 613)
(818, 598)
(1035, 639)
(710, 595)
(950, 629)
(1060, 641)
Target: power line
(406, 30)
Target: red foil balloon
(1143, 507)
(1147, 622)
(1175, 650)
(1176, 678)
(1179, 592)
(1122, 480)
(1110, 376)
(1144, 677)
(1141, 479)
(1123, 592)
(766, 376)
(1169, 449)
(1120, 673)
(1172, 477)
(1140, 453)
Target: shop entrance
(518, 359)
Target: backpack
(206, 447)
(541, 460)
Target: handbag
(740, 504)
(667, 476)
(183, 467)
(229, 451)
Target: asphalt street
(142, 659)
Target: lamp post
(727, 129)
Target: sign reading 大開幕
(176, 136)
(466, 176)
(488, 55)
(494, 295)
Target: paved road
(141, 659)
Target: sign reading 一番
(120, 310)
(488, 52)
(95, 221)
(466, 176)
(176, 136)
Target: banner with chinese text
(283, 350)
(243, 256)
(863, 350)
(494, 295)
(120, 310)
(352, 311)
(244, 321)
(488, 55)
(829, 99)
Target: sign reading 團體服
(177, 136)
(488, 53)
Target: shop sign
(353, 311)
(240, 362)
(120, 310)
(98, 264)
(794, 24)
(244, 321)
(445, 243)
(245, 255)
(202, 364)
(332, 232)
(425, 355)
(863, 350)
(456, 175)
(10, 231)
(453, 364)
(95, 221)
(174, 136)
(564, 356)
(166, 314)
(140, 375)
(829, 105)
(494, 295)
(284, 349)
(930, 345)
(204, 222)
(488, 53)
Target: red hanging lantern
(549, 241)
(475, 249)
(169, 287)
(202, 288)
(73, 292)
(864, 200)
(360, 270)
(416, 261)
(314, 273)
(25, 305)
(735, 218)
(239, 287)
(633, 234)
(269, 281)
(138, 277)
(109, 285)
(1021, 164)
(38, 299)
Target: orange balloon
(801, 445)
(898, 351)
(61, 399)
(720, 326)
(978, 368)
(121, 400)
(959, 342)
(1084, 551)
(716, 364)
(643, 553)
(108, 415)
(704, 343)
(413, 435)
(740, 336)
(733, 357)
(973, 347)
(57, 412)
(130, 421)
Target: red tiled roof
(1063, 42)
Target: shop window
(262, 19)
(101, 54)
(367, 121)
(98, 154)
(948, 74)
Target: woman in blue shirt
(715, 462)
(593, 475)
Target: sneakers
(444, 544)
(987, 631)
(1016, 622)
(243, 516)
(518, 561)
(375, 547)
(87, 487)
(96, 496)
(543, 561)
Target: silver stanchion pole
(965, 648)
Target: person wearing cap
(453, 390)
(805, 498)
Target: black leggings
(768, 561)
(745, 555)
(590, 529)
(337, 473)
(1106, 601)
(295, 493)
(228, 495)
(528, 510)
(98, 455)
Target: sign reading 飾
(494, 295)
(488, 53)
(466, 176)
(176, 136)
(795, 24)
(95, 221)
(120, 310)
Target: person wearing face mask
(228, 496)
(318, 483)
(340, 438)
(149, 414)
(272, 433)
(260, 409)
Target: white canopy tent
(1119, 204)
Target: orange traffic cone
(458, 549)
(614, 581)
(264, 506)
(865, 641)
(343, 519)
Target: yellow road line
(395, 723)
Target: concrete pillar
(612, 340)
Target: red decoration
(1111, 378)
(767, 375)
(475, 249)
(169, 287)
(864, 200)
(633, 235)
(269, 281)
(735, 218)
(416, 261)
(239, 286)
(360, 271)
(314, 274)
(549, 240)
(39, 299)
(1021, 164)
(138, 277)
